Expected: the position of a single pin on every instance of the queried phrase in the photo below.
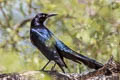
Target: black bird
(53, 48)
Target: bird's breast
(39, 37)
(42, 40)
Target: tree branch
(101, 74)
(22, 23)
(4, 14)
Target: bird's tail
(76, 57)
(91, 63)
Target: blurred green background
(90, 27)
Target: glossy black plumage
(53, 48)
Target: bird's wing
(48, 41)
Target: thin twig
(22, 23)
(4, 14)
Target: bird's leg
(45, 65)
(53, 67)
(68, 69)
(61, 68)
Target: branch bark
(110, 71)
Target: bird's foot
(53, 70)
(41, 70)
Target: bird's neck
(36, 23)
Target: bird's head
(41, 17)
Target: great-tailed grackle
(53, 48)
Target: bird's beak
(50, 15)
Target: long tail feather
(91, 63)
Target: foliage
(90, 27)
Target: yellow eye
(43, 15)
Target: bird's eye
(43, 16)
